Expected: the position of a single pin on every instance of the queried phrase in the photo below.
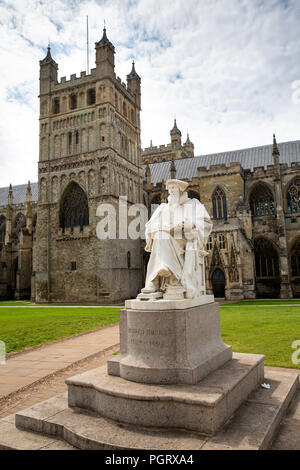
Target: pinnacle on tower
(105, 57)
(134, 84)
(28, 192)
(10, 195)
(175, 129)
(133, 73)
(275, 147)
(104, 41)
(188, 140)
(48, 59)
(48, 72)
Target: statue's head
(176, 188)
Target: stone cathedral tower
(89, 154)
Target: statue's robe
(172, 255)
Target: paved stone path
(25, 368)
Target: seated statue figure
(176, 236)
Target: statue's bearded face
(174, 193)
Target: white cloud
(223, 67)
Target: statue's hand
(190, 234)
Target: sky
(228, 70)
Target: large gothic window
(293, 196)
(74, 210)
(266, 259)
(2, 229)
(295, 260)
(219, 204)
(261, 201)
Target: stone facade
(90, 153)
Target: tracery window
(222, 243)
(261, 201)
(293, 196)
(219, 204)
(295, 259)
(74, 210)
(266, 259)
(209, 244)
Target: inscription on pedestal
(150, 337)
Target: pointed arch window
(74, 210)
(219, 204)
(266, 259)
(293, 196)
(262, 201)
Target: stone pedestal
(169, 346)
(173, 370)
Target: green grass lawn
(27, 327)
(247, 327)
(262, 330)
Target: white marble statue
(176, 236)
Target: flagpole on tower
(87, 46)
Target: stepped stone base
(203, 407)
(252, 427)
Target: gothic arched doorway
(218, 283)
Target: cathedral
(90, 153)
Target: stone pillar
(285, 288)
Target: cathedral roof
(19, 194)
(249, 158)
